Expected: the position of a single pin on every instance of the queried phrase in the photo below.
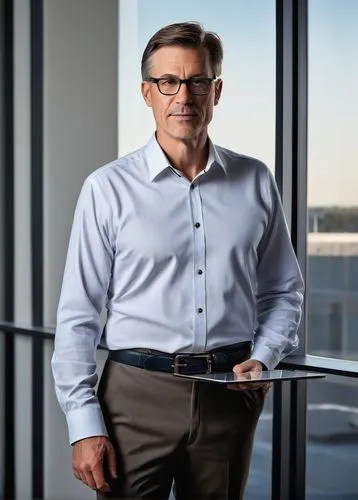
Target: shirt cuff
(265, 356)
(85, 422)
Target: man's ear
(218, 89)
(145, 87)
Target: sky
(244, 120)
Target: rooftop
(333, 244)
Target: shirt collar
(214, 157)
(158, 162)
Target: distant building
(333, 244)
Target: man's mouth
(184, 116)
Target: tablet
(250, 377)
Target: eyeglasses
(170, 85)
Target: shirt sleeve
(83, 294)
(279, 288)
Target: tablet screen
(265, 376)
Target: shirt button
(197, 224)
(200, 271)
(200, 310)
(192, 186)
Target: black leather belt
(187, 364)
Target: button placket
(200, 319)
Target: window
(332, 286)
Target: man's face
(184, 115)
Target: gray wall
(80, 119)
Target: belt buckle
(180, 357)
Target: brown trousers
(164, 427)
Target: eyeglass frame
(187, 82)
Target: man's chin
(185, 133)
(185, 137)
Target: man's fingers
(250, 365)
(237, 387)
(76, 474)
(88, 461)
(249, 387)
(87, 479)
(111, 460)
(99, 480)
(266, 388)
(244, 387)
(93, 479)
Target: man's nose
(184, 95)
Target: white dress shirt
(180, 266)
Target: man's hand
(246, 368)
(87, 461)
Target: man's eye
(199, 81)
(169, 82)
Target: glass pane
(332, 459)
(332, 283)
(244, 120)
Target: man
(186, 246)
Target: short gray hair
(188, 34)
